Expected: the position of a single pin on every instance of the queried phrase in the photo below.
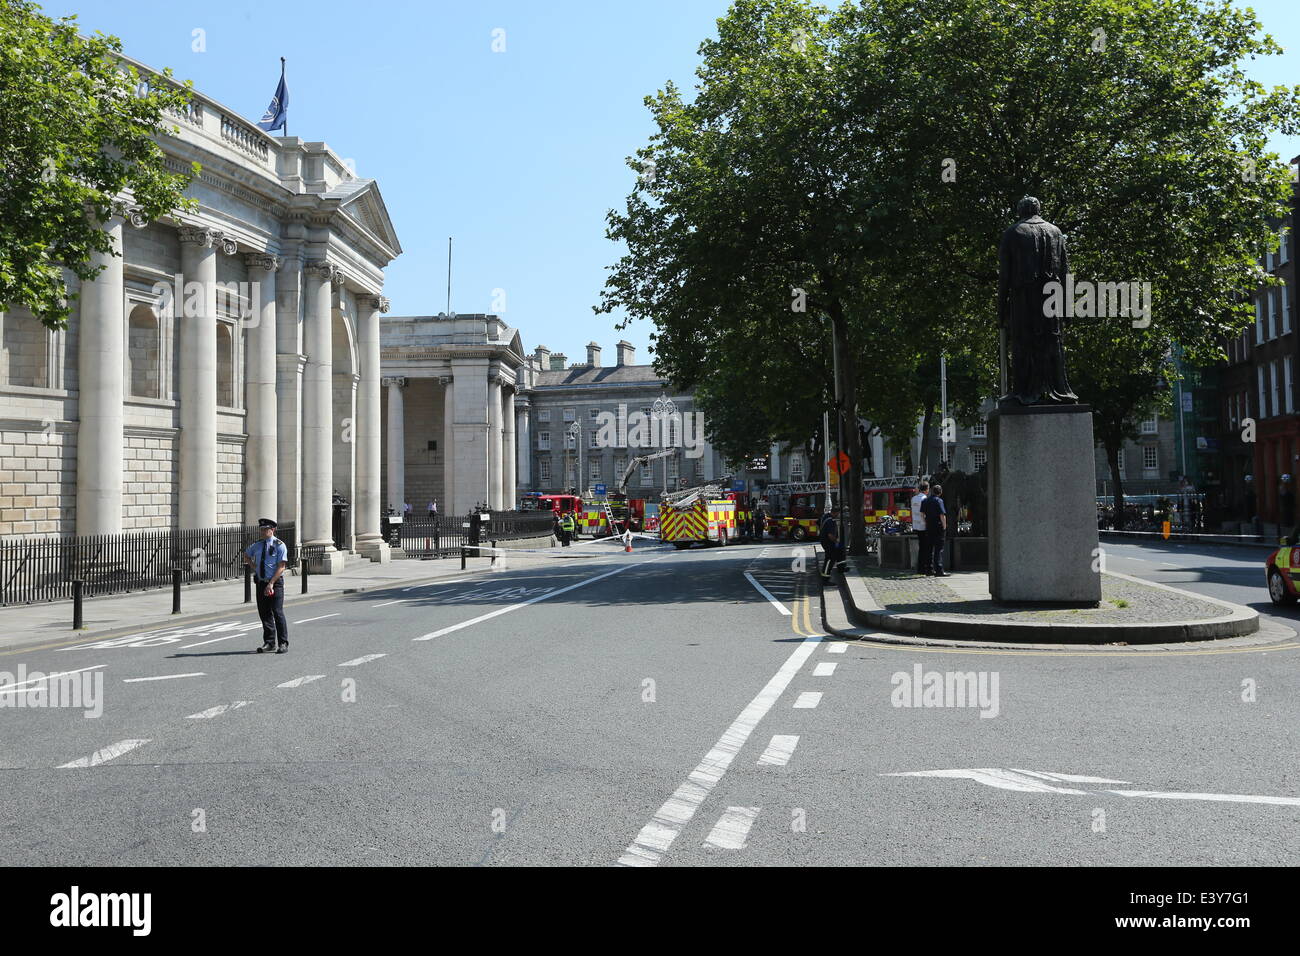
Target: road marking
(837, 647)
(321, 618)
(823, 670)
(362, 660)
(137, 680)
(103, 756)
(767, 594)
(215, 639)
(388, 603)
(732, 829)
(1032, 781)
(533, 600)
(218, 710)
(809, 699)
(17, 688)
(779, 751)
(658, 835)
(299, 681)
(1217, 797)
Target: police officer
(269, 558)
(566, 528)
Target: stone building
(224, 367)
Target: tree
(77, 135)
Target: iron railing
(34, 570)
(440, 536)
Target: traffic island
(960, 608)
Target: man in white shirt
(918, 525)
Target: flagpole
(449, 276)
(285, 131)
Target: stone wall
(149, 485)
(423, 416)
(230, 482)
(38, 481)
(24, 348)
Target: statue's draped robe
(1032, 254)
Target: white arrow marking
(362, 660)
(218, 710)
(299, 681)
(1032, 781)
(103, 756)
(732, 831)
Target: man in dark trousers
(268, 558)
(923, 550)
(936, 523)
(828, 535)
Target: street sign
(738, 484)
(600, 490)
(839, 464)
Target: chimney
(626, 353)
(593, 355)
(559, 361)
(543, 356)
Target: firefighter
(566, 528)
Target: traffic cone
(627, 542)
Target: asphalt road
(654, 708)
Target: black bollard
(304, 574)
(176, 590)
(77, 588)
(248, 585)
(494, 553)
(462, 557)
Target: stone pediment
(360, 201)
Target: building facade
(223, 367)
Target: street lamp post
(575, 431)
(662, 411)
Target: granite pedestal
(1042, 505)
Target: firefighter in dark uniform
(269, 558)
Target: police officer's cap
(266, 523)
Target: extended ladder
(609, 518)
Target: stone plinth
(1042, 505)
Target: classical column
(448, 445)
(289, 366)
(509, 491)
(198, 376)
(774, 458)
(470, 450)
(261, 487)
(494, 441)
(100, 331)
(367, 508)
(396, 444)
(318, 413)
(523, 445)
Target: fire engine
(699, 514)
(794, 508)
(615, 513)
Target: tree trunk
(850, 484)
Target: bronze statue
(1031, 255)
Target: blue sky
(518, 154)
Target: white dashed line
(362, 660)
(299, 681)
(137, 680)
(732, 830)
(218, 710)
(388, 603)
(658, 835)
(839, 647)
(435, 584)
(779, 751)
(823, 670)
(809, 698)
(533, 600)
(321, 618)
(215, 639)
(103, 756)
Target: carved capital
(379, 303)
(208, 237)
(320, 269)
(394, 382)
(263, 260)
(130, 213)
(445, 380)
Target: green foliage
(78, 133)
(813, 158)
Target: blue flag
(278, 112)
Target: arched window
(144, 353)
(24, 350)
(225, 365)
